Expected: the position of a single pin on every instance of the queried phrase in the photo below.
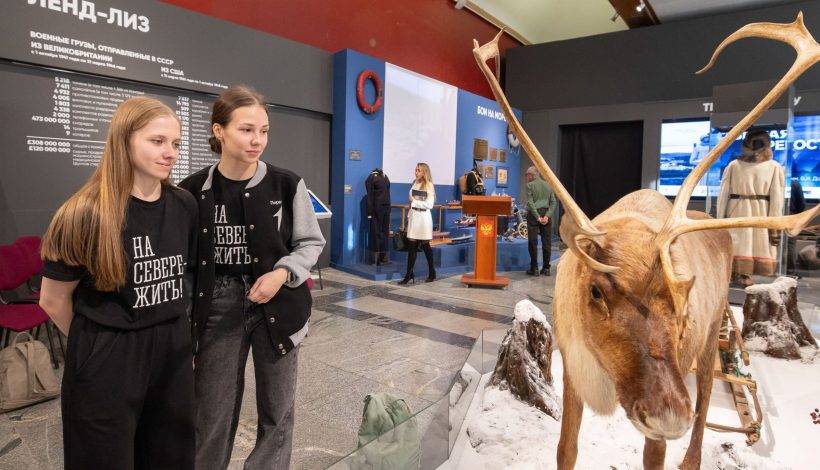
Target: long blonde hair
(87, 229)
(426, 177)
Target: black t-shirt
(230, 239)
(159, 238)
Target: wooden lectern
(486, 209)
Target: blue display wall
(357, 143)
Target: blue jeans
(234, 326)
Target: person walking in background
(420, 222)
(258, 239)
(116, 280)
(541, 206)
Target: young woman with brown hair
(258, 239)
(116, 256)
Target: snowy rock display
(771, 321)
(525, 360)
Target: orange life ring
(377, 82)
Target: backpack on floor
(389, 435)
(26, 376)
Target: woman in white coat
(420, 222)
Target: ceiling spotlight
(640, 7)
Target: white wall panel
(419, 125)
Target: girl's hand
(267, 286)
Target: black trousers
(380, 229)
(534, 229)
(128, 397)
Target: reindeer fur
(631, 224)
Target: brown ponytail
(234, 97)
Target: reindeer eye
(596, 293)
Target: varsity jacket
(282, 231)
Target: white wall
(419, 125)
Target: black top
(159, 238)
(378, 191)
(230, 239)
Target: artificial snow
(525, 310)
(774, 290)
(502, 432)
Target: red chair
(17, 317)
(30, 245)
(31, 249)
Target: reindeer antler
(582, 228)
(808, 53)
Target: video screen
(684, 143)
(806, 154)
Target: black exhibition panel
(63, 74)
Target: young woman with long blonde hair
(420, 222)
(116, 256)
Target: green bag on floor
(389, 436)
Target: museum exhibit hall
(432, 234)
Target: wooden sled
(742, 385)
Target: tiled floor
(365, 337)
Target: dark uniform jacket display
(378, 211)
(377, 185)
(282, 231)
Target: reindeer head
(632, 284)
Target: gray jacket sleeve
(307, 239)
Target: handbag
(400, 242)
(26, 376)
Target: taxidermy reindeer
(640, 293)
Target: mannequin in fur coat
(753, 186)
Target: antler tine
(793, 224)
(584, 228)
(680, 287)
(808, 53)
